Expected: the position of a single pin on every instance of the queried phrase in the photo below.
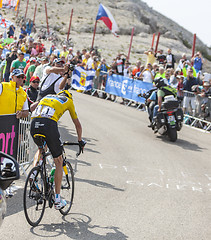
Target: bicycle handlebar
(66, 143)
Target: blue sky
(193, 15)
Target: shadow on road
(99, 184)
(15, 204)
(187, 145)
(78, 226)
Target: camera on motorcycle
(9, 170)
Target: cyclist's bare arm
(78, 128)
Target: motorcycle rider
(163, 91)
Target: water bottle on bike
(51, 180)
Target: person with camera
(147, 74)
(197, 61)
(54, 80)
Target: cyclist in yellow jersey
(44, 121)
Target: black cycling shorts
(49, 129)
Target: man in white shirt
(53, 81)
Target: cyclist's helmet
(159, 82)
(65, 93)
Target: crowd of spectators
(193, 86)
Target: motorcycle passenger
(163, 91)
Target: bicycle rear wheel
(67, 189)
(34, 197)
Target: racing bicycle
(39, 189)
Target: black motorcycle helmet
(159, 82)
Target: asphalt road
(130, 183)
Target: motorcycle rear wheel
(172, 134)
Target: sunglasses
(35, 81)
(21, 76)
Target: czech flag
(105, 15)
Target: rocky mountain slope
(127, 13)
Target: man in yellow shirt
(64, 52)
(13, 99)
(150, 56)
(44, 121)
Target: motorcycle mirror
(9, 170)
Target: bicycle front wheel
(67, 188)
(34, 196)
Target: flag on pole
(82, 79)
(4, 23)
(105, 15)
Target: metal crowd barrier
(26, 146)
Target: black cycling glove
(82, 143)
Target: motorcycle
(9, 171)
(169, 119)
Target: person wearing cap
(20, 63)
(64, 52)
(31, 69)
(54, 50)
(53, 81)
(32, 90)
(147, 74)
(70, 55)
(13, 99)
(39, 69)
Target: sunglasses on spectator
(35, 81)
(21, 76)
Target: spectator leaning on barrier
(137, 68)
(13, 99)
(127, 69)
(189, 96)
(103, 69)
(147, 74)
(120, 62)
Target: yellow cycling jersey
(53, 107)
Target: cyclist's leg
(58, 173)
(59, 203)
